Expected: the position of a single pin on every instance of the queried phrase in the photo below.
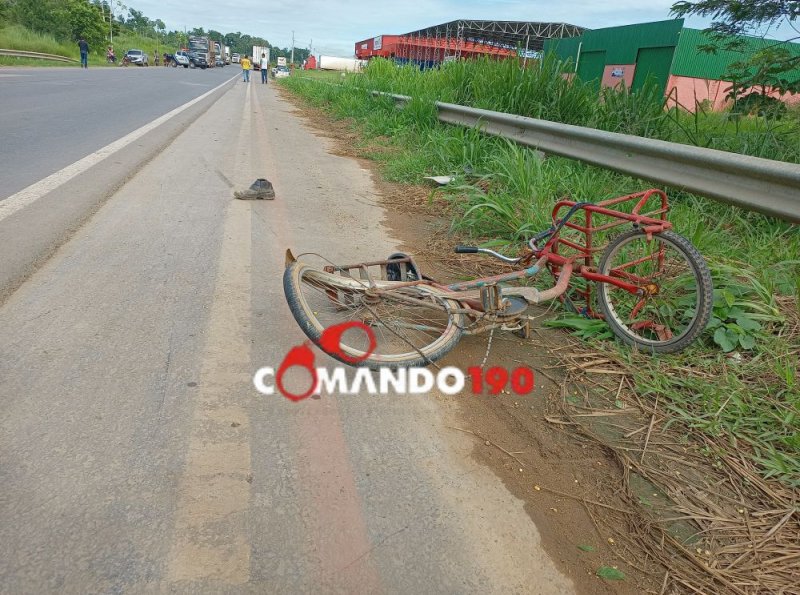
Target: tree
(140, 23)
(84, 20)
(66, 20)
(775, 66)
(738, 17)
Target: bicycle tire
(698, 303)
(314, 312)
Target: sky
(332, 27)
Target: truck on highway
(202, 46)
(227, 54)
(343, 64)
(257, 51)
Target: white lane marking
(35, 191)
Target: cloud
(335, 25)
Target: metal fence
(752, 183)
(39, 55)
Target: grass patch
(16, 37)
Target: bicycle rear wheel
(675, 305)
(412, 325)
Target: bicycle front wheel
(412, 325)
(674, 303)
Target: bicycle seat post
(491, 298)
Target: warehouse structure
(465, 39)
(665, 52)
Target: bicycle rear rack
(591, 237)
(403, 269)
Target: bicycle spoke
(669, 287)
(399, 320)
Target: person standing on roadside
(264, 68)
(246, 69)
(84, 47)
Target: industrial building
(464, 39)
(666, 52)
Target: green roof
(620, 44)
(691, 61)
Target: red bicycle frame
(599, 217)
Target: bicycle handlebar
(474, 250)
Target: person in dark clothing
(84, 47)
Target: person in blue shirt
(84, 47)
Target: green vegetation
(54, 27)
(775, 65)
(740, 384)
(20, 38)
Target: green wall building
(664, 51)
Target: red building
(463, 40)
(385, 46)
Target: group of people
(83, 46)
(247, 65)
(111, 57)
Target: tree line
(99, 21)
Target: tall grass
(547, 90)
(16, 37)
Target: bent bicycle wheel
(412, 325)
(675, 291)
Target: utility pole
(292, 59)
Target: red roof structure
(465, 39)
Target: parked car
(280, 72)
(197, 60)
(219, 62)
(181, 59)
(137, 57)
(236, 58)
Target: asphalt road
(51, 117)
(136, 454)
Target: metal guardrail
(25, 54)
(752, 183)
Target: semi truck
(227, 54)
(202, 46)
(218, 54)
(257, 51)
(343, 64)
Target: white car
(181, 59)
(280, 72)
(137, 57)
(235, 58)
